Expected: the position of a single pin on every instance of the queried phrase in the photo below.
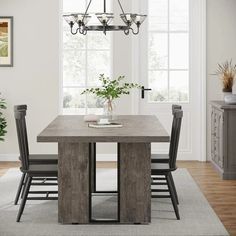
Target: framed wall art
(6, 41)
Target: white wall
(221, 38)
(34, 79)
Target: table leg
(135, 182)
(73, 183)
(93, 168)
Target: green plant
(3, 122)
(111, 89)
(226, 71)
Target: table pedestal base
(73, 183)
(135, 182)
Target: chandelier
(79, 21)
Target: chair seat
(160, 168)
(42, 170)
(160, 158)
(43, 159)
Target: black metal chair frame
(32, 174)
(33, 159)
(165, 169)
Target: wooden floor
(221, 194)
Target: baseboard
(100, 157)
(106, 157)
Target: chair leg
(22, 180)
(174, 188)
(173, 199)
(23, 188)
(25, 195)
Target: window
(84, 58)
(168, 50)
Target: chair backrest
(175, 134)
(174, 107)
(20, 113)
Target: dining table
(75, 141)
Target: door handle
(143, 91)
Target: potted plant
(226, 72)
(3, 122)
(111, 90)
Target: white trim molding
(203, 82)
(9, 157)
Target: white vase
(225, 94)
(230, 99)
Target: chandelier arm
(121, 7)
(84, 32)
(74, 33)
(135, 33)
(105, 6)
(126, 31)
(86, 10)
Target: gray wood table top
(135, 129)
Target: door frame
(201, 58)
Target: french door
(171, 64)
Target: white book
(108, 125)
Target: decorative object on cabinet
(226, 72)
(230, 99)
(6, 41)
(223, 136)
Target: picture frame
(6, 41)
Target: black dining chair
(164, 158)
(161, 173)
(32, 173)
(35, 159)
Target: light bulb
(80, 18)
(128, 17)
(104, 17)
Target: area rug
(40, 217)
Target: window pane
(95, 105)
(97, 5)
(179, 51)
(72, 42)
(74, 6)
(158, 82)
(73, 68)
(97, 40)
(179, 14)
(98, 63)
(158, 15)
(73, 101)
(158, 51)
(179, 86)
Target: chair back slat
(174, 108)
(175, 134)
(20, 113)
